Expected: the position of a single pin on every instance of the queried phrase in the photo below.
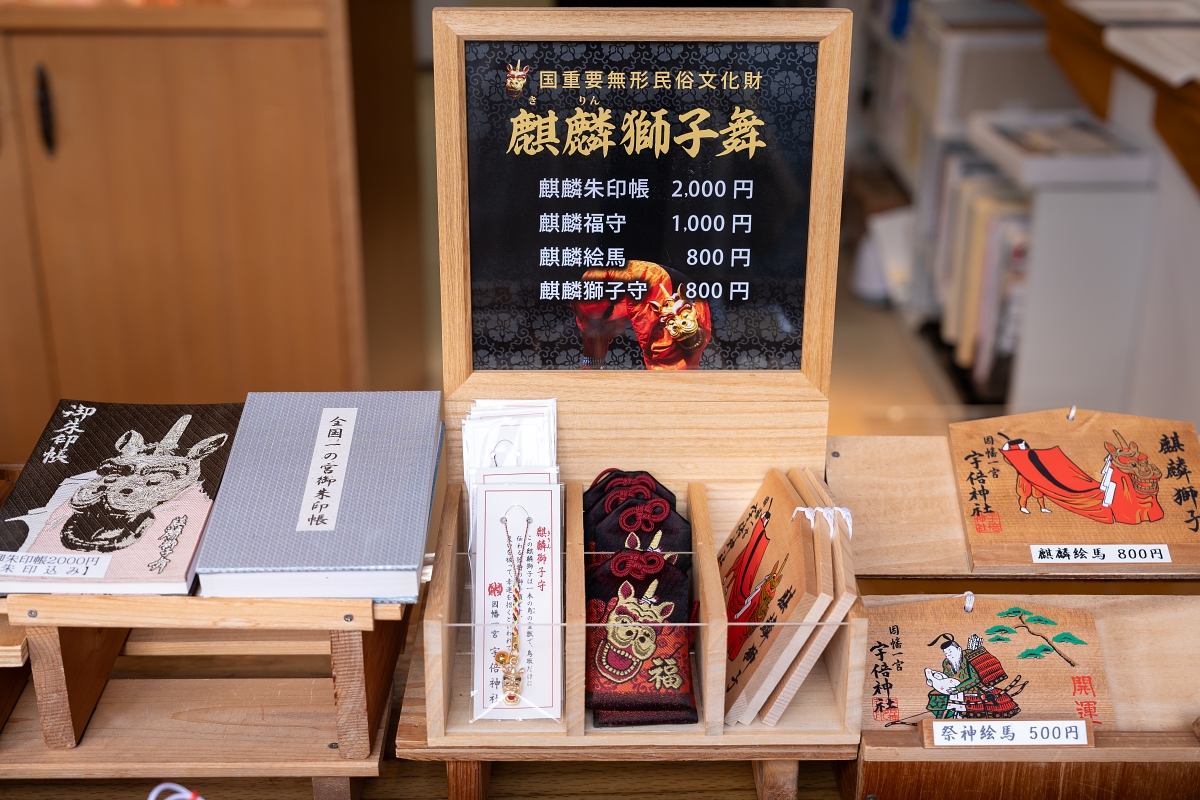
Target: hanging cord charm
(177, 792)
(829, 513)
(512, 674)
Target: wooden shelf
(188, 728)
(1077, 45)
(908, 526)
(1152, 753)
(412, 739)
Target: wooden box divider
(825, 711)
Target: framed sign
(639, 189)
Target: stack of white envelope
(516, 551)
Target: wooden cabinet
(28, 379)
(185, 177)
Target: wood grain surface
(412, 742)
(706, 411)
(362, 666)
(153, 728)
(14, 650)
(1130, 627)
(1050, 690)
(1000, 540)
(30, 388)
(845, 592)
(183, 642)
(902, 494)
(750, 677)
(712, 639)
(189, 175)
(70, 669)
(190, 612)
(293, 16)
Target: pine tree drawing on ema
(967, 687)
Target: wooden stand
(72, 721)
(1152, 752)
(822, 722)
(909, 538)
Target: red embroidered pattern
(643, 517)
(623, 493)
(636, 564)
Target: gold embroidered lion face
(681, 321)
(514, 80)
(631, 638)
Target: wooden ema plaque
(1089, 491)
(771, 575)
(1002, 661)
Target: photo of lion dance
(672, 332)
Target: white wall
(1164, 376)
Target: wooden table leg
(363, 667)
(776, 779)
(337, 788)
(70, 669)
(468, 780)
(12, 684)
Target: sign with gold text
(639, 205)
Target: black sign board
(638, 204)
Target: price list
(639, 205)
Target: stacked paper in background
(1057, 148)
(327, 494)
(1171, 54)
(1002, 297)
(516, 547)
(114, 498)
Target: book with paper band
(328, 494)
(114, 498)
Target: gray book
(327, 494)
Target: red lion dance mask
(671, 331)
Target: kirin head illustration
(113, 509)
(514, 79)
(680, 319)
(1128, 459)
(632, 634)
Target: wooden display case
(909, 538)
(710, 436)
(823, 717)
(1154, 751)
